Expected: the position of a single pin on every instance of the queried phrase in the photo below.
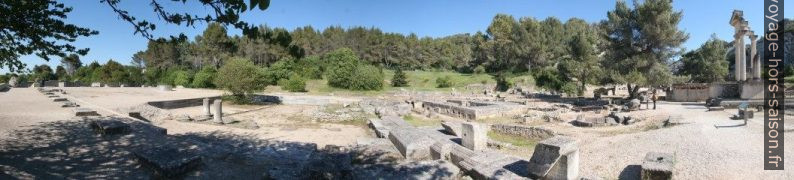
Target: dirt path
(26, 106)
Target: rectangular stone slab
(555, 158)
(85, 112)
(59, 99)
(168, 161)
(411, 144)
(110, 127)
(69, 104)
(657, 165)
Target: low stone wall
(182, 103)
(523, 131)
(451, 110)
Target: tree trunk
(633, 91)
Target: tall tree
(71, 63)
(641, 42)
(215, 44)
(707, 63)
(36, 27)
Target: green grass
(789, 80)
(513, 139)
(421, 121)
(417, 81)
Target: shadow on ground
(71, 150)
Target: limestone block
(380, 130)
(69, 104)
(59, 99)
(168, 161)
(85, 112)
(453, 128)
(110, 127)
(411, 144)
(165, 87)
(658, 166)
(474, 136)
(441, 150)
(555, 158)
(716, 108)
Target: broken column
(555, 158)
(658, 165)
(207, 107)
(216, 116)
(473, 136)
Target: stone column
(753, 53)
(216, 116)
(207, 107)
(737, 58)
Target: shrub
(238, 76)
(366, 78)
(204, 78)
(182, 78)
(399, 79)
(282, 69)
(342, 64)
(311, 67)
(502, 84)
(479, 70)
(294, 83)
(444, 82)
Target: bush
(366, 78)
(182, 78)
(204, 78)
(399, 79)
(479, 70)
(238, 76)
(342, 64)
(282, 69)
(295, 83)
(444, 82)
(311, 67)
(502, 84)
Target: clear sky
(424, 17)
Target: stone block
(441, 150)
(110, 127)
(165, 87)
(380, 130)
(168, 161)
(453, 128)
(474, 136)
(657, 166)
(69, 104)
(58, 99)
(716, 108)
(411, 144)
(85, 112)
(555, 158)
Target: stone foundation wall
(523, 131)
(451, 110)
(182, 103)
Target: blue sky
(424, 17)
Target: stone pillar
(736, 59)
(218, 113)
(207, 107)
(742, 59)
(756, 62)
(473, 136)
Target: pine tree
(399, 79)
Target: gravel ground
(702, 150)
(17, 109)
